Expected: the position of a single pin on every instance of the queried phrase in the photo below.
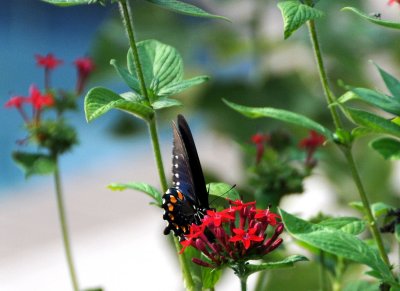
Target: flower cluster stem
(127, 20)
(64, 228)
(345, 148)
(243, 283)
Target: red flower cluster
(236, 233)
(259, 140)
(84, 67)
(310, 145)
(36, 99)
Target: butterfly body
(187, 201)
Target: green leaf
(295, 14)
(65, 3)
(397, 232)
(161, 64)
(373, 122)
(286, 263)
(129, 79)
(389, 148)
(100, 100)
(142, 187)
(373, 97)
(385, 23)
(336, 242)
(165, 102)
(378, 209)
(361, 286)
(34, 164)
(284, 115)
(177, 87)
(351, 225)
(184, 8)
(223, 190)
(391, 83)
(210, 277)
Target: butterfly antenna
(233, 186)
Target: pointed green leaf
(389, 148)
(34, 164)
(223, 190)
(373, 122)
(350, 225)
(378, 209)
(284, 115)
(210, 277)
(165, 102)
(391, 83)
(373, 97)
(161, 64)
(184, 8)
(295, 14)
(286, 263)
(177, 87)
(385, 23)
(100, 100)
(129, 79)
(65, 3)
(336, 242)
(142, 187)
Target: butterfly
(187, 201)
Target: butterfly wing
(186, 168)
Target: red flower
(84, 67)
(266, 215)
(313, 141)
(15, 101)
(259, 140)
(48, 62)
(219, 217)
(38, 100)
(310, 144)
(246, 237)
(393, 1)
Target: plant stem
(157, 153)
(125, 14)
(322, 275)
(243, 283)
(126, 18)
(64, 228)
(346, 148)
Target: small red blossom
(84, 66)
(391, 2)
(310, 145)
(38, 100)
(234, 234)
(246, 237)
(15, 101)
(48, 61)
(259, 140)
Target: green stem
(157, 153)
(365, 201)
(346, 148)
(322, 274)
(125, 14)
(243, 283)
(64, 228)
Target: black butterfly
(187, 201)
